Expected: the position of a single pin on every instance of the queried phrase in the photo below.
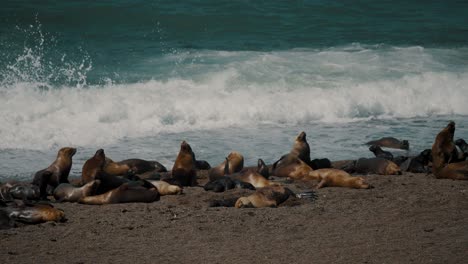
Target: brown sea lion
(165, 188)
(292, 167)
(443, 147)
(29, 213)
(301, 148)
(339, 178)
(236, 164)
(66, 192)
(184, 171)
(93, 167)
(374, 166)
(253, 176)
(380, 153)
(56, 173)
(270, 196)
(135, 166)
(390, 142)
(125, 193)
(454, 171)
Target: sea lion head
(184, 146)
(451, 127)
(405, 144)
(243, 202)
(262, 169)
(301, 137)
(374, 148)
(58, 215)
(362, 184)
(460, 142)
(66, 152)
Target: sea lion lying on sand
(125, 193)
(235, 164)
(135, 166)
(66, 192)
(30, 213)
(165, 188)
(339, 178)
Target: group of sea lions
(104, 181)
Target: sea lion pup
(66, 192)
(125, 193)
(29, 213)
(339, 178)
(380, 153)
(165, 188)
(184, 171)
(236, 164)
(390, 142)
(443, 148)
(417, 164)
(132, 166)
(56, 173)
(270, 196)
(374, 165)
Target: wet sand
(410, 218)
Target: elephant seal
(184, 171)
(125, 193)
(339, 178)
(374, 165)
(380, 153)
(66, 192)
(270, 196)
(443, 149)
(30, 213)
(164, 188)
(236, 164)
(390, 142)
(56, 173)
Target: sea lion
(200, 164)
(380, 153)
(443, 148)
(125, 193)
(226, 183)
(56, 173)
(270, 196)
(164, 188)
(25, 192)
(320, 164)
(132, 166)
(463, 154)
(66, 192)
(255, 177)
(375, 166)
(454, 171)
(417, 164)
(339, 178)
(341, 164)
(291, 166)
(93, 168)
(390, 142)
(236, 164)
(301, 148)
(184, 171)
(29, 213)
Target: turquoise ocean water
(137, 77)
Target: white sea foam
(236, 89)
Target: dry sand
(412, 218)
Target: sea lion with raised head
(374, 166)
(380, 153)
(93, 167)
(125, 193)
(56, 173)
(443, 148)
(66, 192)
(184, 171)
(236, 164)
(301, 148)
(339, 178)
(390, 142)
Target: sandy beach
(411, 218)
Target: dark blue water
(138, 77)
